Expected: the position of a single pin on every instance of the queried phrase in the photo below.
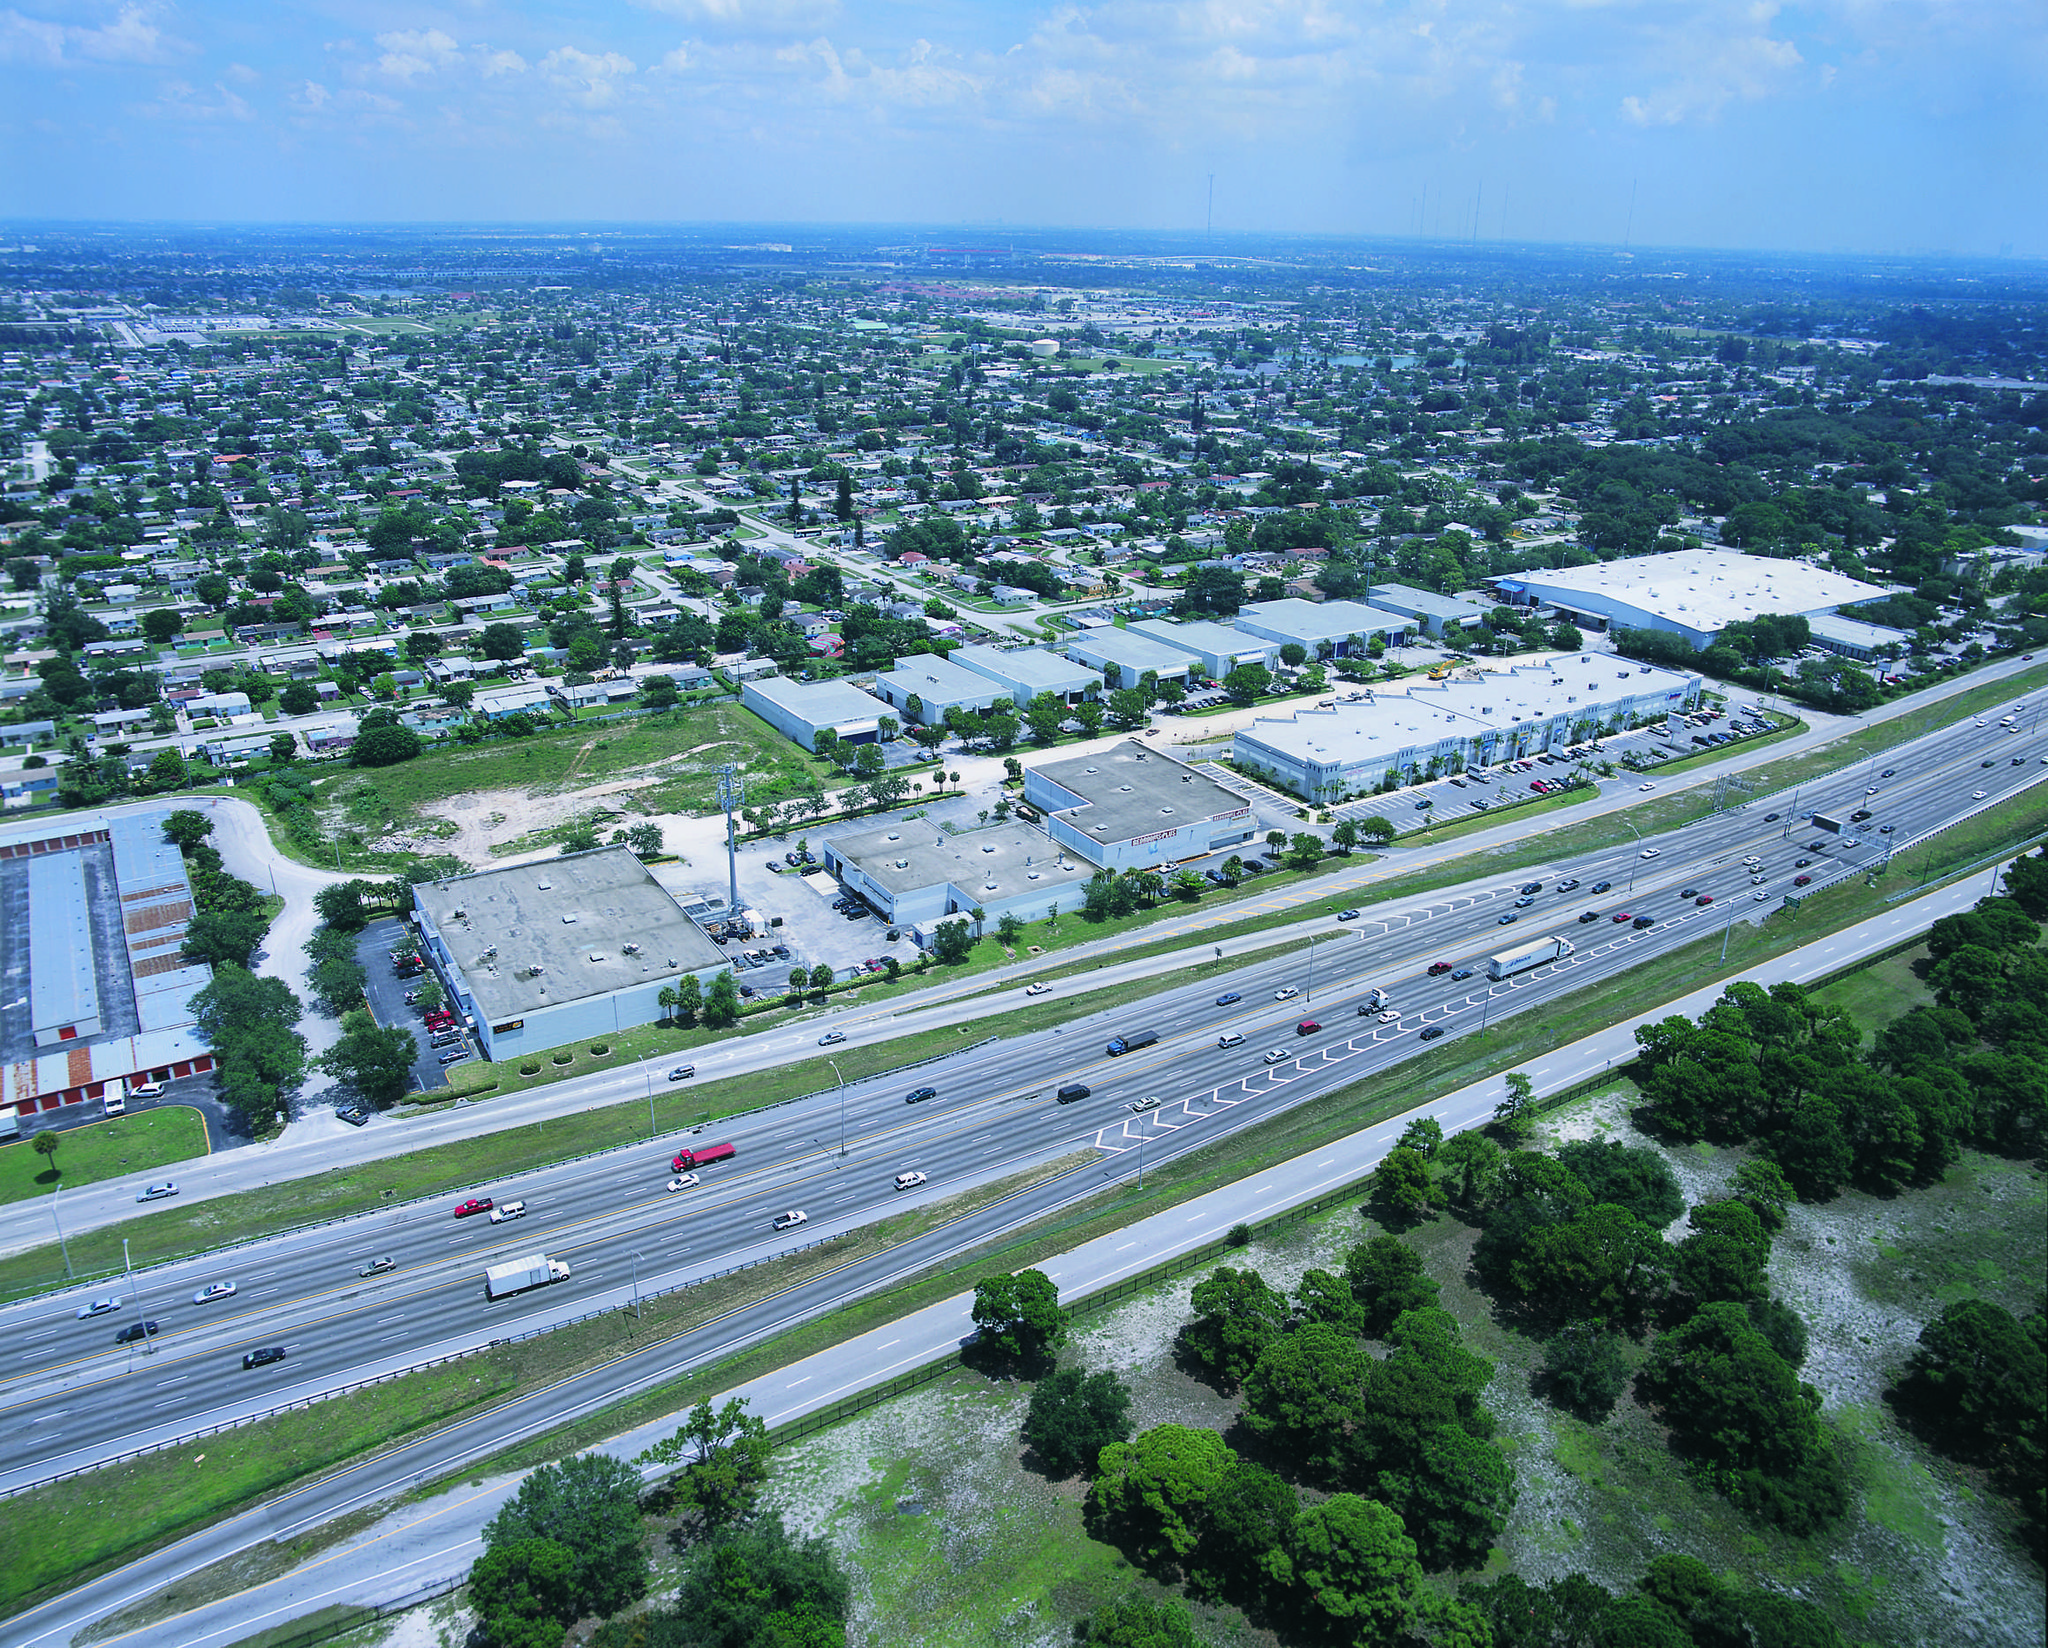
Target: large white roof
(1701, 589)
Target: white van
(1231, 1038)
(114, 1103)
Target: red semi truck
(688, 1161)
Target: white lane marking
(792, 1385)
(1126, 1247)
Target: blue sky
(1856, 125)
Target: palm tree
(979, 915)
(668, 999)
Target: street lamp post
(61, 1242)
(1638, 834)
(636, 1285)
(829, 1059)
(650, 1101)
(141, 1316)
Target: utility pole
(842, 1102)
(141, 1317)
(61, 1242)
(636, 1285)
(732, 790)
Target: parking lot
(387, 992)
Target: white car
(831, 1038)
(1285, 993)
(99, 1307)
(1646, 786)
(506, 1211)
(1231, 1038)
(682, 1181)
(1391, 1016)
(213, 1291)
(909, 1181)
(1276, 1055)
(1038, 989)
(793, 1218)
(157, 1192)
(1649, 852)
(1760, 897)
(1144, 1104)
(1978, 795)
(1757, 880)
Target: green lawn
(103, 1150)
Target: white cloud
(755, 17)
(129, 38)
(410, 53)
(588, 78)
(178, 100)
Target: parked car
(352, 1114)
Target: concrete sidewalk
(441, 1537)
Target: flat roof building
(800, 710)
(1218, 648)
(1696, 593)
(1028, 671)
(937, 685)
(1478, 718)
(552, 952)
(1129, 807)
(64, 997)
(1852, 639)
(1125, 655)
(1436, 613)
(1327, 629)
(917, 875)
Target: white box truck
(1529, 955)
(517, 1275)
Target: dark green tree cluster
(567, 1546)
(228, 919)
(1678, 1603)
(1018, 1318)
(1073, 1416)
(259, 1058)
(1977, 1388)
(1774, 1066)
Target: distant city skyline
(1834, 126)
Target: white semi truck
(1509, 962)
(517, 1275)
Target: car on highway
(1987, 763)
(1039, 989)
(1391, 1016)
(917, 1095)
(1759, 895)
(909, 1181)
(1704, 900)
(1461, 973)
(134, 1331)
(1285, 992)
(1307, 1027)
(1978, 795)
(1644, 921)
(100, 1306)
(790, 1220)
(476, 1204)
(1801, 863)
(264, 1357)
(504, 1212)
(1570, 884)
(157, 1192)
(1622, 915)
(1524, 902)
(1073, 1091)
(213, 1291)
(682, 1181)
(1801, 880)
(1231, 1038)
(1690, 892)
(1143, 1104)
(1431, 1032)
(1227, 998)
(1758, 880)
(1649, 852)
(1871, 791)
(1589, 915)
(1507, 920)
(832, 1038)
(1646, 786)
(682, 1072)
(1276, 1055)
(1602, 886)
(1770, 818)
(1347, 915)
(1861, 813)
(377, 1267)
(1529, 887)
(1887, 772)
(1438, 968)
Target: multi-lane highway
(76, 1396)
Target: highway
(77, 1397)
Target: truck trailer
(686, 1161)
(1529, 955)
(1131, 1040)
(517, 1275)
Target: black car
(1431, 1032)
(1645, 921)
(1590, 915)
(264, 1357)
(134, 1331)
(1506, 921)
(1770, 818)
(1073, 1091)
(1861, 813)
(917, 1095)
(1529, 887)
(1690, 892)
(1602, 886)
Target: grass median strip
(103, 1150)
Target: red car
(1438, 968)
(1307, 1027)
(1704, 900)
(1623, 915)
(476, 1204)
(1801, 881)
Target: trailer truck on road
(1529, 955)
(517, 1275)
(1131, 1040)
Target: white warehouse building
(1474, 720)
(1129, 807)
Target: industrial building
(1028, 671)
(1218, 648)
(937, 685)
(1323, 629)
(800, 710)
(1851, 638)
(1476, 719)
(1696, 593)
(1130, 807)
(916, 874)
(1125, 656)
(542, 954)
(1437, 614)
(92, 923)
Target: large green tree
(753, 1585)
(1019, 1317)
(1073, 1416)
(1236, 1317)
(1149, 1496)
(725, 1456)
(1354, 1570)
(374, 1059)
(589, 1505)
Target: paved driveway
(386, 993)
